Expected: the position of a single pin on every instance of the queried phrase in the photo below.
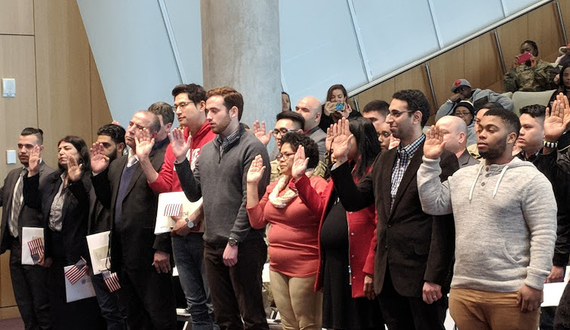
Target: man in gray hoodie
(505, 222)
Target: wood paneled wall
(43, 45)
(478, 60)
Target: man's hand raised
(433, 147)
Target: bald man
(455, 137)
(310, 108)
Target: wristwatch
(232, 241)
(189, 223)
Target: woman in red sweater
(293, 206)
(347, 239)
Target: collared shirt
(403, 159)
(312, 130)
(133, 158)
(160, 144)
(522, 155)
(224, 143)
(56, 209)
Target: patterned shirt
(224, 143)
(403, 159)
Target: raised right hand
(99, 161)
(179, 146)
(342, 140)
(259, 132)
(255, 171)
(433, 147)
(144, 144)
(34, 161)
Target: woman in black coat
(64, 202)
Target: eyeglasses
(397, 113)
(286, 154)
(181, 105)
(282, 130)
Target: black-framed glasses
(282, 130)
(398, 113)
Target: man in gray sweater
(234, 253)
(505, 222)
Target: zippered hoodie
(505, 222)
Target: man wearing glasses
(187, 242)
(414, 250)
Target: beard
(496, 151)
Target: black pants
(149, 299)
(30, 289)
(236, 291)
(405, 313)
(562, 318)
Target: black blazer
(75, 214)
(28, 217)
(417, 247)
(133, 243)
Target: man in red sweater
(187, 243)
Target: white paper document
(28, 234)
(98, 248)
(82, 289)
(173, 204)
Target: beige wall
(478, 60)
(43, 45)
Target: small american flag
(111, 280)
(36, 247)
(77, 271)
(173, 210)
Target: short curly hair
(417, 101)
(296, 139)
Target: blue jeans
(189, 258)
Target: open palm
(342, 139)
(255, 171)
(179, 146)
(433, 146)
(299, 163)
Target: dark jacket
(29, 217)
(133, 243)
(75, 214)
(416, 246)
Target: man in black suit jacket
(29, 282)
(414, 250)
(121, 186)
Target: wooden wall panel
(481, 62)
(16, 61)
(63, 57)
(511, 35)
(384, 91)
(16, 17)
(100, 114)
(543, 27)
(7, 299)
(445, 69)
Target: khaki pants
(298, 304)
(481, 310)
